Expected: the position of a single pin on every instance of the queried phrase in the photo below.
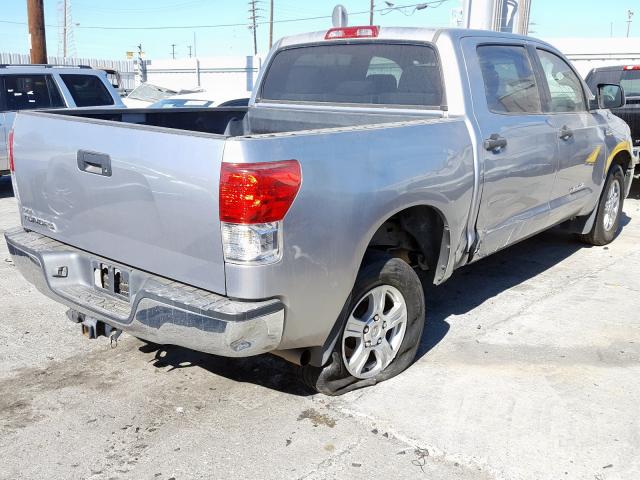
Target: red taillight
(12, 166)
(258, 192)
(632, 67)
(352, 32)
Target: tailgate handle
(93, 162)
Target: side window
(509, 83)
(54, 93)
(384, 73)
(87, 90)
(565, 88)
(25, 92)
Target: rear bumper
(158, 310)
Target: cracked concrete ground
(529, 369)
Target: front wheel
(381, 325)
(609, 214)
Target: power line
(435, 3)
(191, 4)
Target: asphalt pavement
(529, 368)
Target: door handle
(566, 133)
(93, 162)
(494, 142)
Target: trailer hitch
(93, 328)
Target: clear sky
(551, 18)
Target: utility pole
(253, 17)
(189, 47)
(35, 12)
(173, 51)
(372, 6)
(271, 24)
(629, 16)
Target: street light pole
(371, 7)
(629, 16)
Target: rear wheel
(381, 326)
(607, 222)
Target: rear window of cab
(360, 73)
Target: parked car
(147, 94)
(26, 87)
(177, 102)
(628, 77)
(197, 100)
(298, 225)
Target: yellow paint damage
(593, 157)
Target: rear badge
(30, 217)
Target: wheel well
(414, 234)
(623, 159)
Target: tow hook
(93, 328)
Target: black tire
(378, 269)
(600, 234)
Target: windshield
(367, 73)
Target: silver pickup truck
(298, 225)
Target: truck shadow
(474, 284)
(265, 370)
(6, 189)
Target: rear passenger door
(581, 139)
(517, 147)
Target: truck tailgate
(154, 208)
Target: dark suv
(628, 76)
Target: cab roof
(417, 34)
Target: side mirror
(610, 95)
